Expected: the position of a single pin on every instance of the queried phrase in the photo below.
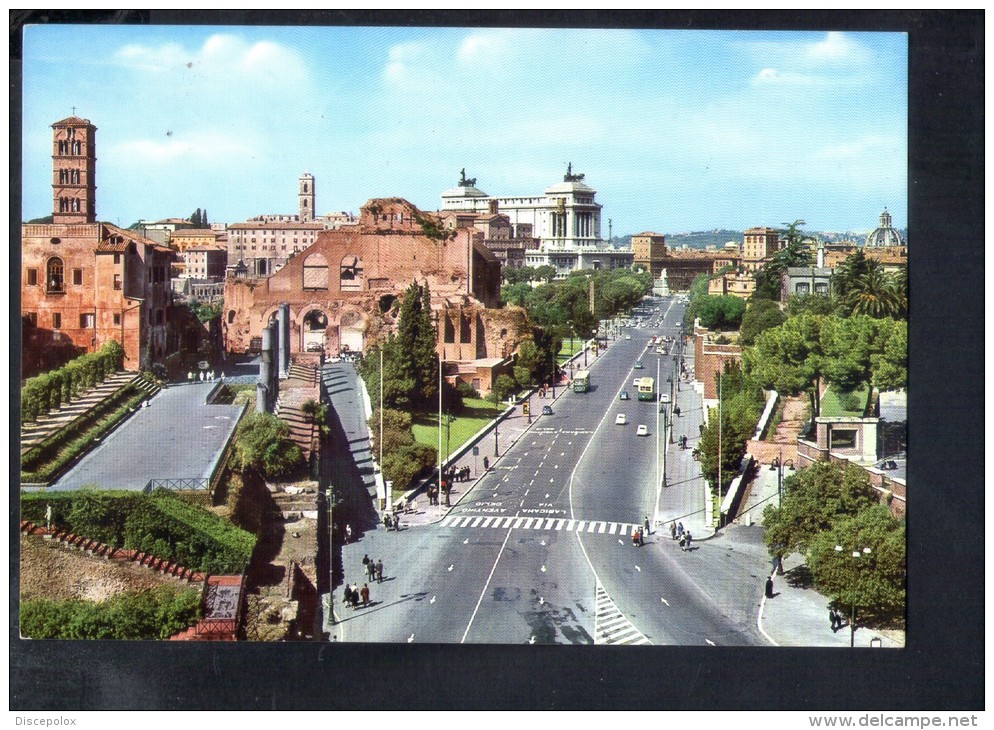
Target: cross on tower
(74, 111)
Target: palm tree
(874, 294)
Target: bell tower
(306, 197)
(74, 166)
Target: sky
(677, 131)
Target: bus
(581, 382)
(646, 388)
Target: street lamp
(778, 464)
(856, 554)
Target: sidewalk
(797, 615)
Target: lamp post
(856, 555)
(669, 379)
(778, 464)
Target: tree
(720, 312)
(760, 315)
(515, 294)
(852, 345)
(890, 367)
(874, 584)
(874, 293)
(504, 387)
(793, 253)
(544, 273)
(789, 359)
(814, 500)
(262, 442)
(426, 351)
(811, 304)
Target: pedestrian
(355, 595)
(641, 537)
(769, 589)
(365, 563)
(689, 538)
(679, 529)
(365, 595)
(646, 524)
(348, 534)
(486, 464)
(371, 570)
(379, 571)
(673, 530)
(348, 595)
(201, 376)
(189, 376)
(833, 617)
(396, 523)
(635, 537)
(683, 543)
(677, 411)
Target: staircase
(301, 385)
(55, 420)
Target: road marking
(610, 624)
(543, 568)
(551, 481)
(569, 525)
(579, 526)
(487, 521)
(549, 522)
(563, 453)
(600, 530)
(614, 528)
(410, 638)
(477, 521)
(432, 599)
(532, 639)
(664, 600)
(466, 541)
(485, 587)
(522, 503)
(527, 490)
(559, 524)
(620, 542)
(541, 601)
(449, 520)
(710, 642)
(638, 569)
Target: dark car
(546, 410)
(623, 395)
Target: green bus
(646, 388)
(581, 382)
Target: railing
(178, 485)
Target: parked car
(664, 397)
(620, 419)
(546, 410)
(642, 431)
(638, 364)
(623, 395)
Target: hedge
(43, 462)
(50, 390)
(133, 615)
(160, 523)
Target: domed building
(885, 235)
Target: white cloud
(205, 148)
(222, 59)
(793, 78)
(836, 47)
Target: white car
(642, 431)
(660, 350)
(620, 420)
(664, 397)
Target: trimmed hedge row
(160, 523)
(50, 390)
(134, 615)
(43, 462)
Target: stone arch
(231, 316)
(313, 330)
(315, 273)
(55, 275)
(350, 276)
(351, 331)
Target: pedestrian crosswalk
(610, 624)
(597, 527)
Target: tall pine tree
(426, 352)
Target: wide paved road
(540, 551)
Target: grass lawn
(567, 352)
(476, 414)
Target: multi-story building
(205, 263)
(885, 235)
(506, 242)
(649, 250)
(566, 220)
(758, 246)
(84, 282)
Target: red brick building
(344, 291)
(84, 282)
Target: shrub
(262, 442)
(49, 390)
(160, 523)
(134, 615)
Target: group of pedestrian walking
(458, 475)
(836, 618)
(353, 595)
(677, 532)
(391, 523)
(205, 376)
(638, 537)
(373, 568)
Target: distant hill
(702, 239)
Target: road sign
(476, 451)
(526, 408)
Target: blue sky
(676, 130)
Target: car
(660, 350)
(623, 395)
(638, 364)
(628, 337)
(620, 419)
(664, 397)
(546, 410)
(642, 431)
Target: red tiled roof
(258, 225)
(71, 122)
(193, 232)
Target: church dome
(885, 234)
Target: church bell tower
(306, 198)
(74, 166)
